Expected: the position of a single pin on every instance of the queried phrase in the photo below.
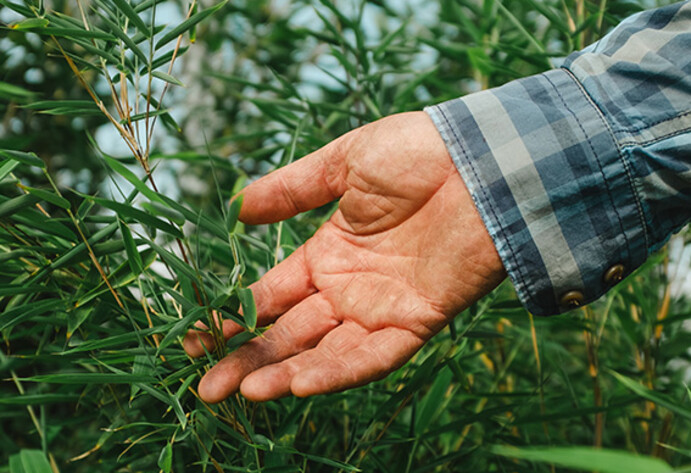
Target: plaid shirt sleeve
(581, 172)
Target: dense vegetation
(125, 128)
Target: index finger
(308, 183)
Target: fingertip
(220, 382)
(253, 210)
(208, 392)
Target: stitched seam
(626, 144)
(650, 125)
(597, 160)
(625, 163)
(491, 207)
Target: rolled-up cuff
(552, 188)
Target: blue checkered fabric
(584, 167)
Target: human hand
(404, 253)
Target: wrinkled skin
(403, 254)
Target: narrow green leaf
(19, 314)
(11, 289)
(121, 277)
(181, 326)
(176, 264)
(35, 461)
(249, 308)
(233, 213)
(30, 23)
(165, 459)
(7, 167)
(132, 178)
(124, 210)
(89, 378)
(332, 463)
(587, 458)
(196, 218)
(77, 105)
(16, 464)
(682, 451)
(133, 257)
(117, 340)
(164, 58)
(145, 5)
(166, 398)
(76, 317)
(70, 33)
(125, 38)
(38, 399)
(433, 402)
(165, 211)
(9, 207)
(21, 9)
(129, 12)
(143, 115)
(188, 24)
(13, 92)
(656, 397)
(43, 224)
(49, 196)
(167, 78)
(27, 158)
(80, 250)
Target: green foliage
(102, 274)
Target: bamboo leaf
(128, 211)
(233, 213)
(656, 397)
(35, 461)
(80, 250)
(17, 315)
(71, 33)
(64, 107)
(30, 23)
(13, 92)
(180, 267)
(48, 196)
(7, 167)
(249, 308)
(587, 458)
(188, 24)
(89, 378)
(11, 206)
(165, 211)
(133, 257)
(167, 78)
(125, 38)
(196, 218)
(27, 158)
(181, 326)
(143, 116)
(165, 459)
(132, 178)
(129, 12)
(38, 399)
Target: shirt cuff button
(572, 299)
(614, 274)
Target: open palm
(404, 253)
